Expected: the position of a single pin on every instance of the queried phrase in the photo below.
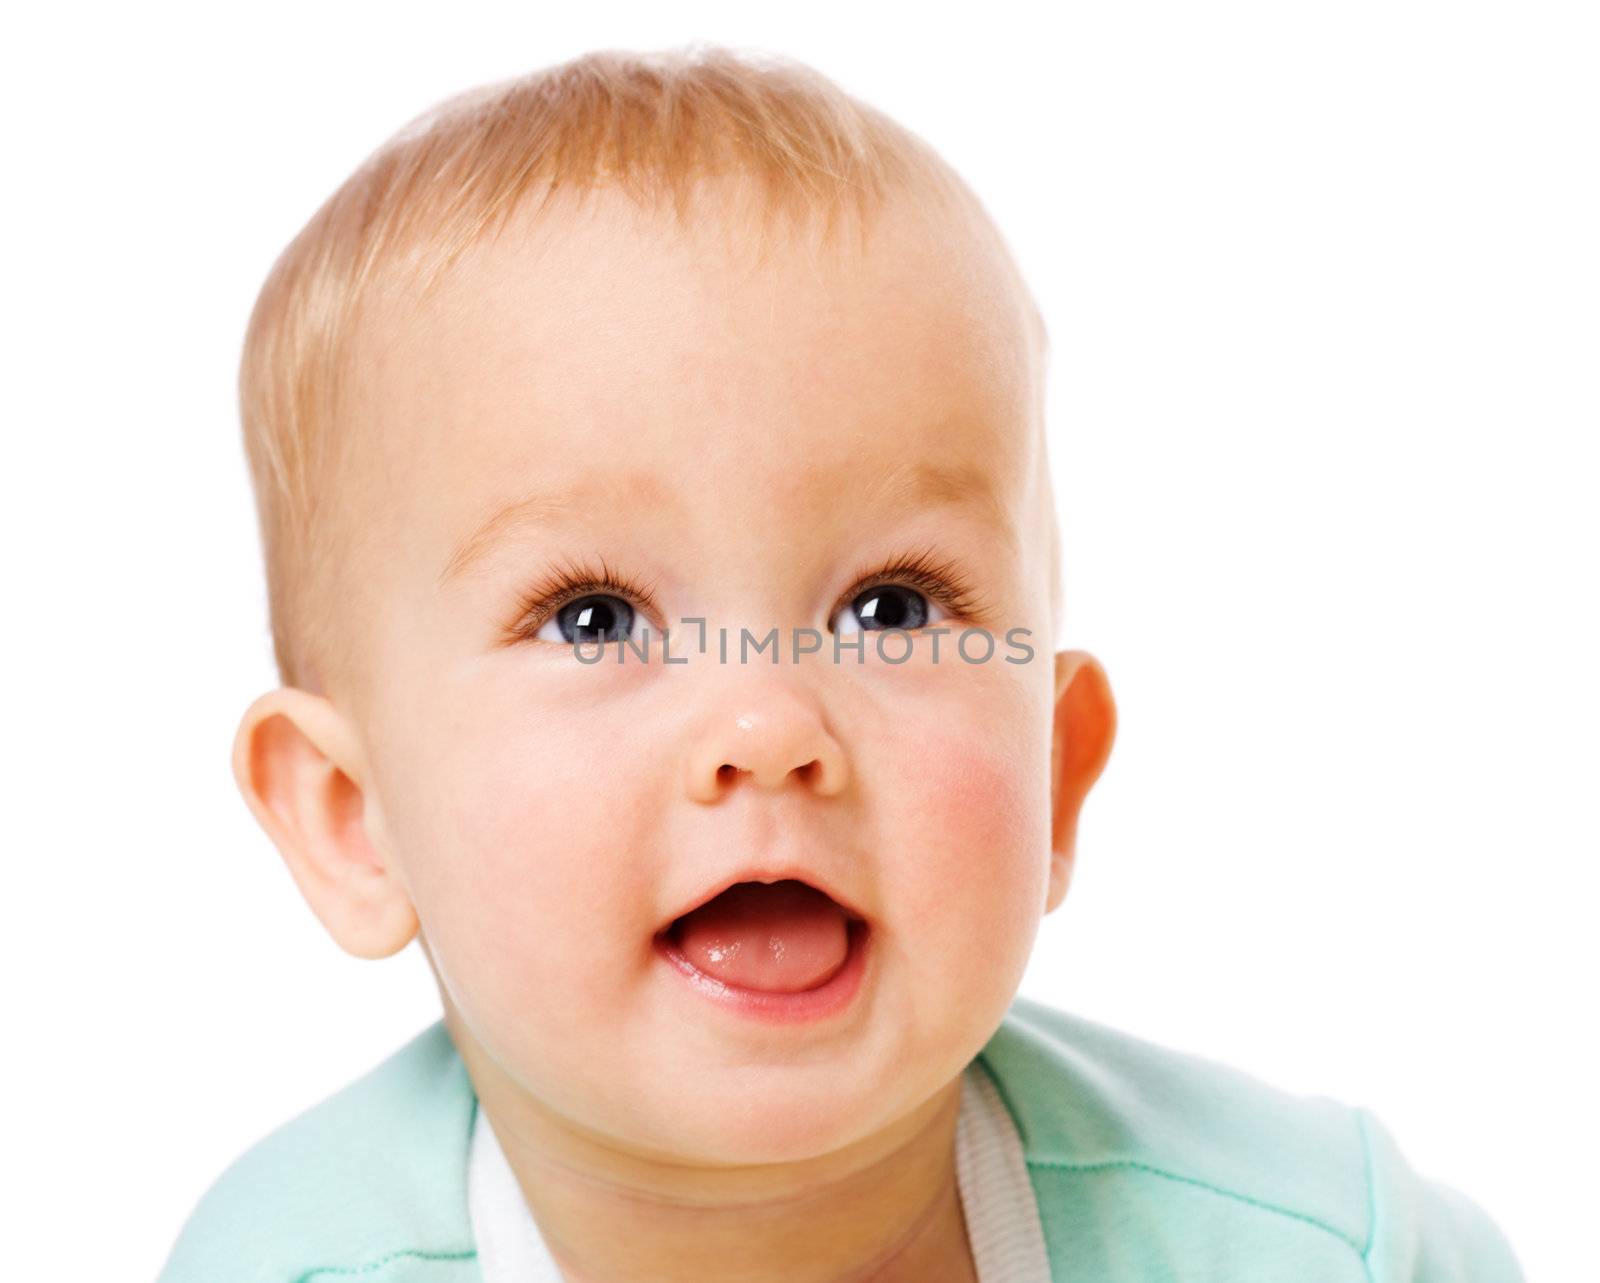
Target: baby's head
(687, 344)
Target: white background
(1323, 285)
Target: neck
(885, 1209)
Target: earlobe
(299, 768)
(1084, 728)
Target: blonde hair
(649, 123)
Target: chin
(754, 1128)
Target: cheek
(970, 853)
(518, 836)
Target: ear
(299, 766)
(1085, 725)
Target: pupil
(597, 618)
(891, 607)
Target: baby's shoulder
(1194, 1156)
(1086, 1094)
(376, 1171)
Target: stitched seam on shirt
(1372, 1197)
(1215, 1189)
(346, 1271)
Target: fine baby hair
(652, 125)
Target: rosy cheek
(975, 794)
(973, 830)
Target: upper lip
(770, 873)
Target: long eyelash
(567, 583)
(925, 571)
(929, 574)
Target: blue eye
(580, 603)
(885, 606)
(595, 618)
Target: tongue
(781, 937)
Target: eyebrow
(912, 483)
(546, 507)
(918, 483)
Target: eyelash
(930, 575)
(546, 597)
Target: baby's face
(747, 447)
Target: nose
(771, 737)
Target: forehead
(607, 352)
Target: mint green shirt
(1147, 1165)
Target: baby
(665, 586)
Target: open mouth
(779, 949)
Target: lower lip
(829, 998)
